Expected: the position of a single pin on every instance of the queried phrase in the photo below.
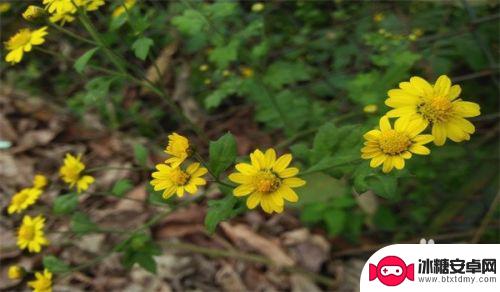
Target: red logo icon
(391, 271)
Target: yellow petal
(294, 182)
(270, 158)
(388, 164)
(423, 139)
(288, 172)
(442, 86)
(377, 161)
(402, 111)
(192, 168)
(246, 168)
(372, 135)
(419, 149)
(455, 133)
(253, 200)
(421, 85)
(416, 126)
(399, 162)
(384, 124)
(455, 91)
(402, 124)
(439, 133)
(289, 194)
(282, 162)
(466, 109)
(243, 190)
(407, 154)
(240, 178)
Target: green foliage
(55, 265)
(140, 249)
(81, 224)
(121, 187)
(190, 22)
(141, 47)
(140, 154)
(65, 204)
(81, 62)
(222, 154)
(221, 210)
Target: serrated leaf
(281, 73)
(121, 187)
(335, 220)
(141, 47)
(222, 153)
(81, 62)
(221, 210)
(224, 55)
(190, 22)
(140, 154)
(81, 224)
(65, 204)
(384, 185)
(55, 265)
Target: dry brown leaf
(137, 195)
(179, 230)
(310, 250)
(242, 234)
(301, 283)
(229, 280)
(34, 138)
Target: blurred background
(274, 74)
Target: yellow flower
(39, 181)
(15, 272)
(258, 7)
(203, 68)
(207, 81)
(23, 41)
(70, 173)
(391, 147)
(90, 5)
(4, 7)
(178, 148)
(43, 282)
(175, 180)
(226, 73)
(23, 199)
(120, 9)
(62, 17)
(378, 17)
(268, 181)
(435, 105)
(33, 12)
(370, 109)
(30, 235)
(247, 72)
(59, 6)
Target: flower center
(179, 177)
(27, 232)
(21, 39)
(392, 142)
(436, 110)
(266, 182)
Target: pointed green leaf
(81, 62)
(222, 153)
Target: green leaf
(225, 89)
(55, 265)
(140, 249)
(117, 22)
(281, 73)
(141, 154)
(81, 62)
(81, 224)
(220, 210)
(141, 47)
(224, 55)
(190, 22)
(222, 153)
(313, 213)
(121, 187)
(335, 220)
(146, 261)
(65, 204)
(384, 185)
(320, 188)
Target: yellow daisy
(23, 199)
(90, 5)
(59, 6)
(30, 235)
(33, 12)
(15, 272)
(4, 7)
(175, 180)
(435, 105)
(71, 171)
(23, 41)
(43, 282)
(39, 181)
(391, 147)
(178, 148)
(268, 181)
(120, 9)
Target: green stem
(216, 179)
(309, 171)
(71, 34)
(99, 168)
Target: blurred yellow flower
(59, 6)
(90, 5)
(30, 235)
(121, 9)
(39, 181)
(4, 7)
(247, 72)
(174, 180)
(33, 12)
(178, 148)
(436, 105)
(23, 41)
(258, 7)
(15, 272)
(42, 282)
(203, 68)
(70, 173)
(267, 181)
(370, 109)
(226, 73)
(207, 81)
(62, 18)
(23, 199)
(391, 147)
(378, 17)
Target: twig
(486, 220)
